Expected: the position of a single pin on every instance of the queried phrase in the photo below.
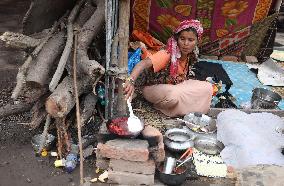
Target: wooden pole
(78, 111)
(123, 34)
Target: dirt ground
(18, 164)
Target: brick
(158, 153)
(126, 178)
(102, 163)
(147, 167)
(230, 58)
(126, 149)
(251, 59)
(103, 134)
(152, 135)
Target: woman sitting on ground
(166, 75)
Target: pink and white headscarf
(172, 46)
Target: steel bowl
(176, 178)
(208, 145)
(178, 139)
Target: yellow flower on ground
(168, 21)
(232, 9)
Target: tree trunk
(17, 40)
(62, 100)
(39, 73)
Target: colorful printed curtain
(221, 19)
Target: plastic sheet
(250, 139)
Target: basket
(264, 99)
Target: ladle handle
(130, 108)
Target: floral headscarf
(172, 47)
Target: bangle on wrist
(131, 80)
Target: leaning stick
(66, 52)
(78, 108)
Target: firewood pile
(58, 57)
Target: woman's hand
(128, 89)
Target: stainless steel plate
(208, 145)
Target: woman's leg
(174, 100)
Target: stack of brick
(130, 161)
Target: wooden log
(85, 13)
(123, 35)
(66, 52)
(37, 118)
(21, 76)
(88, 107)
(61, 101)
(38, 112)
(39, 74)
(90, 29)
(17, 40)
(10, 109)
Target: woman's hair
(190, 29)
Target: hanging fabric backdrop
(227, 23)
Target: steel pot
(178, 139)
(176, 178)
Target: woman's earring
(196, 51)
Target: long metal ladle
(133, 122)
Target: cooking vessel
(176, 178)
(178, 139)
(119, 127)
(264, 99)
(208, 145)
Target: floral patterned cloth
(219, 18)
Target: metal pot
(178, 139)
(264, 99)
(173, 178)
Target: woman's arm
(137, 70)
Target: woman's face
(186, 42)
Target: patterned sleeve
(160, 60)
